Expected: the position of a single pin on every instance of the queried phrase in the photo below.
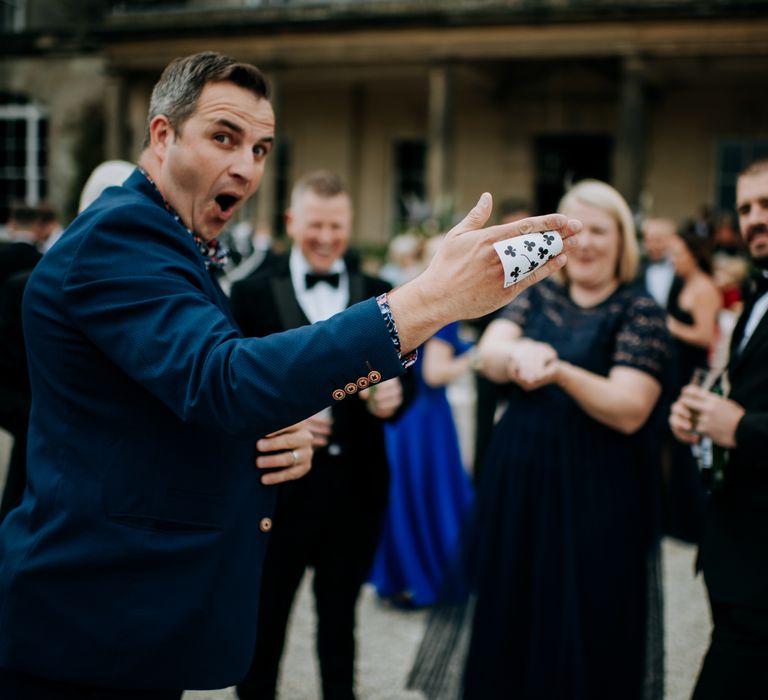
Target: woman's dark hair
(699, 246)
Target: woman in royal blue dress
(561, 574)
(430, 490)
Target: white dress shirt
(658, 280)
(323, 300)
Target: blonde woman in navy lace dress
(562, 562)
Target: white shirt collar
(322, 301)
(300, 267)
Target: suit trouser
(736, 664)
(340, 547)
(15, 685)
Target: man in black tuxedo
(331, 519)
(22, 249)
(734, 548)
(657, 270)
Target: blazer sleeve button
(265, 525)
(339, 394)
(374, 377)
(351, 388)
(363, 383)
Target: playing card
(521, 255)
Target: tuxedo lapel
(288, 309)
(356, 288)
(758, 338)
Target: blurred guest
(18, 257)
(15, 392)
(732, 553)
(726, 238)
(250, 253)
(403, 259)
(694, 302)
(692, 320)
(658, 269)
(51, 228)
(330, 520)
(562, 560)
(110, 173)
(21, 251)
(430, 490)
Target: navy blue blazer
(134, 559)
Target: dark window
(23, 155)
(732, 158)
(410, 184)
(562, 160)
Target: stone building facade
(427, 101)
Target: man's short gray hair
(322, 183)
(176, 93)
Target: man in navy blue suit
(131, 568)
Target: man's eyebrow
(230, 125)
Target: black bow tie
(312, 278)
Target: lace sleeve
(643, 341)
(519, 308)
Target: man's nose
(324, 233)
(244, 165)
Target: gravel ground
(387, 637)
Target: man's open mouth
(226, 202)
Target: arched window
(23, 152)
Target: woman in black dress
(562, 557)
(692, 313)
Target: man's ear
(160, 135)
(289, 223)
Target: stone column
(117, 130)
(440, 139)
(261, 209)
(632, 131)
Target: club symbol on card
(520, 256)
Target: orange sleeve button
(374, 377)
(351, 388)
(339, 394)
(265, 525)
(363, 383)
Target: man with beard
(734, 543)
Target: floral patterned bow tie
(215, 255)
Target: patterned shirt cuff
(389, 321)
